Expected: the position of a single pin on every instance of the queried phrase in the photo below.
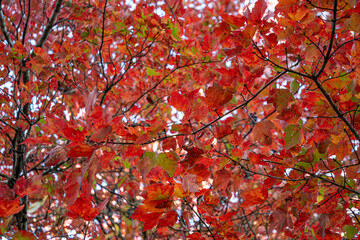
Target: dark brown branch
(27, 22)
(50, 24)
(3, 27)
(332, 37)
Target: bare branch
(50, 24)
(3, 27)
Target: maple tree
(174, 119)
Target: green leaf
(174, 29)
(294, 86)
(292, 136)
(151, 72)
(168, 161)
(42, 121)
(350, 231)
(126, 164)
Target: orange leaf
(254, 196)
(9, 207)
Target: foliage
(175, 119)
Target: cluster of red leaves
(210, 119)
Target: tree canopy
(179, 119)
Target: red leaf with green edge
(168, 161)
(9, 207)
(159, 191)
(83, 207)
(19, 50)
(80, 150)
(217, 96)
(262, 132)
(222, 178)
(168, 219)
(237, 153)
(24, 235)
(254, 196)
(292, 136)
(178, 101)
(146, 162)
(27, 186)
(280, 98)
(181, 128)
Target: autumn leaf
(28, 186)
(10, 207)
(24, 235)
(178, 101)
(168, 219)
(262, 132)
(281, 98)
(217, 96)
(84, 208)
(221, 179)
(189, 183)
(292, 136)
(168, 161)
(254, 196)
(80, 150)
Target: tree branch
(332, 37)
(3, 27)
(50, 24)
